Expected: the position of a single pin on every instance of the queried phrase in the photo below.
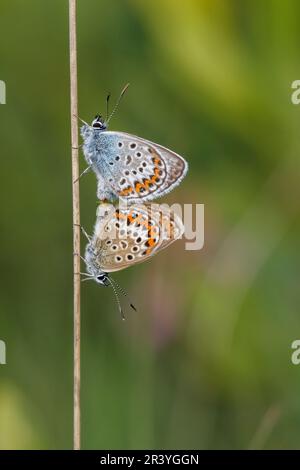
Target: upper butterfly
(129, 167)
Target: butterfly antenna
(75, 115)
(123, 291)
(117, 103)
(107, 107)
(117, 298)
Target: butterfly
(126, 236)
(129, 167)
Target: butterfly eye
(98, 123)
(102, 279)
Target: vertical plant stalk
(76, 219)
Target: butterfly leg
(87, 278)
(88, 237)
(78, 254)
(84, 274)
(83, 173)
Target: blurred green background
(206, 362)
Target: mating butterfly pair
(133, 170)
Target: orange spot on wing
(156, 161)
(120, 215)
(151, 232)
(126, 191)
(146, 182)
(138, 187)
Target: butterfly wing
(128, 236)
(141, 170)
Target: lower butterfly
(126, 236)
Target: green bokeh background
(206, 362)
